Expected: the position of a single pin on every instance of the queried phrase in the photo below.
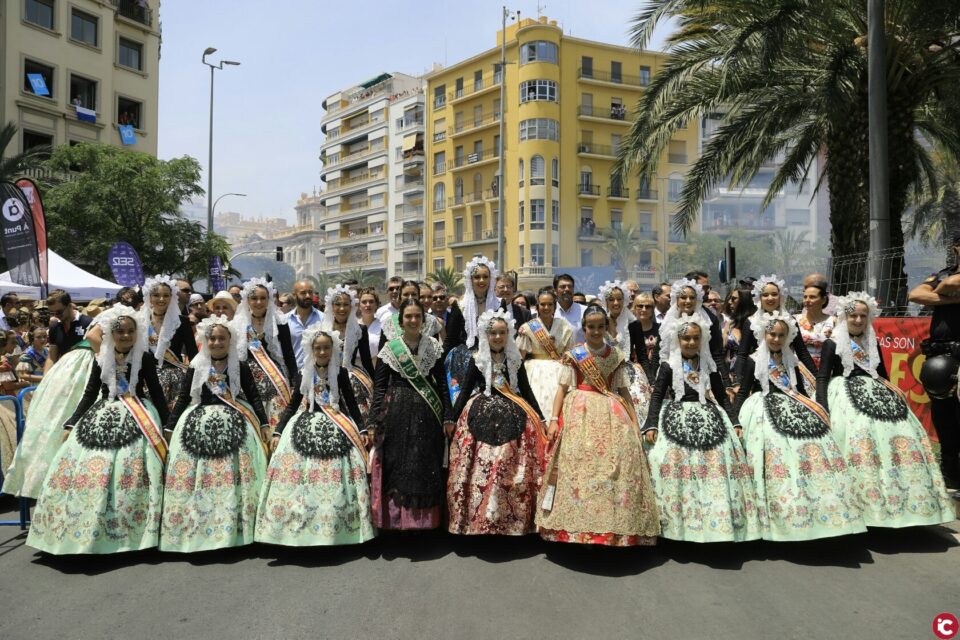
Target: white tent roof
(69, 277)
(19, 289)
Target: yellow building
(100, 55)
(567, 108)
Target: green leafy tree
(936, 214)
(364, 278)
(124, 195)
(13, 167)
(791, 78)
(623, 245)
(449, 277)
(321, 282)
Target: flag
(127, 136)
(32, 192)
(217, 282)
(19, 240)
(87, 115)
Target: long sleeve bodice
(362, 352)
(663, 391)
(348, 402)
(749, 384)
(148, 387)
(384, 378)
(748, 346)
(475, 380)
(248, 387)
(831, 367)
(638, 347)
(183, 342)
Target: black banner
(19, 239)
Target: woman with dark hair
(741, 306)
(597, 484)
(527, 300)
(408, 415)
(815, 325)
(542, 342)
(367, 304)
(341, 316)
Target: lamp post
(501, 170)
(213, 209)
(207, 52)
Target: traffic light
(279, 254)
(728, 266)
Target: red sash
(250, 416)
(540, 333)
(345, 424)
(273, 373)
(149, 429)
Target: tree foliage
(14, 166)
(129, 196)
(364, 278)
(623, 245)
(449, 277)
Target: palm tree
(321, 282)
(449, 277)
(15, 166)
(789, 251)
(363, 278)
(936, 215)
(623, 244)
(791, 78)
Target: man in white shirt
(8, 306)
(304, 315)
(661, 301)
(393, 295)
(572, 312)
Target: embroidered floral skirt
(803, 490)
(104, 489)
(543, 374)
(316, 490)
(456, 364)
(494, 468)
(603, 493)
(703, 485)
(215, 470)
(640, 390)
(896, 481)
(54, 401)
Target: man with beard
(572, 312)
(303, 316)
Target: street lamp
(213, 209)
(208, 52)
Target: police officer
(941, 292)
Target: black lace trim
(694, 425)
(213, 431)
(791, 418)
(495, 420)
(316, 436)
(107, 425)
(873, 399)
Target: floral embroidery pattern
(875, 399)
(107, 425)
(698, 426)
(213, 433)
(316, 436)
(791, 418)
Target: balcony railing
(605, 76)
(473, 158)
(440, 168)
(615, 112)
(647, 194)
(407, 211)
(597, 149)
(470, 125)
(439, 242)
(618, 192)
(482, 236)
(408, 242)
(677, 158)
(346, 129)
(344, 183)
(588, 190)
(535, 271)
(133, 10)
(400, 183)
(589, 231)
(473, 88)
(469, 198)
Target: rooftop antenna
(540, 8)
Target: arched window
(521, 173)
(555, 172)
(537, 169)
(439, 196)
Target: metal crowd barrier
(20, 413)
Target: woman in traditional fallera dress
(597, 485)
(169, 333)
(896, 481)
(497, 449)
(341, 316)
(803, 489)
(612, 299)
(264, 343)
(316, 491)
(105, 486)
(217, 458)
(703, 484)
(542, 342)
(410, 404)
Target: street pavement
(882, 584)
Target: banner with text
(900, 340)
(32, 192)
(19, 240)
(125, 265)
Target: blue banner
(217, 281)
(125, 265)
(38, 84)
(127, 135)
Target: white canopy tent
(81, 286)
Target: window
(521, 172)
(458, 88)
(616, 219)
(615, 143)
(39, 12)
(439, 96)
(496, 109)
(83, 27)
(554, 255)
(477, 226)
(587, 225)
(555, 215)
(83, 92)
(32, 66)
(586, 67)
(458, 263)
(644, 76)
(555, 172)
(438, 263)
(477, 187)
(674, 236)
(586, 177)
(537, 212)
(458, 156)
(440, 130)
(532, 90)
(521, 256)
(798, 217)
(497, 73)
(439, 228)
(520, 215)
(130, 54)
(439, 162)
(130, 112)
(537, 169)
(496, 146)
(477, 115)
(477, 80)
(586, 257)
(539, 129)
(536, 254)
(675, 186)
(677, 152)
(33, 139)
(439, 196)
(538, 51)
(458, 231)
(616, 72)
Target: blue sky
(267, 111)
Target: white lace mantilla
(427, 355)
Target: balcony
(346, 184)
(360, 127)
(588, 232)
(132, 10)
(354, 156)
(616, 112)
(409, 270)
(619, 193)
(408, 242)
(468, 127)
(402, 183)
(592, 75)
(361, 96)
(440, 168)
(588, 190)
(439, 242)
(466, 92)
(470, 197)
(647, 194)
(475, 158)
(590, 149)
(647, 235)
(677, 158)
(482, 237)
(535, 272)
(355, 259)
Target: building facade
(101, 56)
(302, 243)
(566, 108)
(364, 171)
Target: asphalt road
(883, 584)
